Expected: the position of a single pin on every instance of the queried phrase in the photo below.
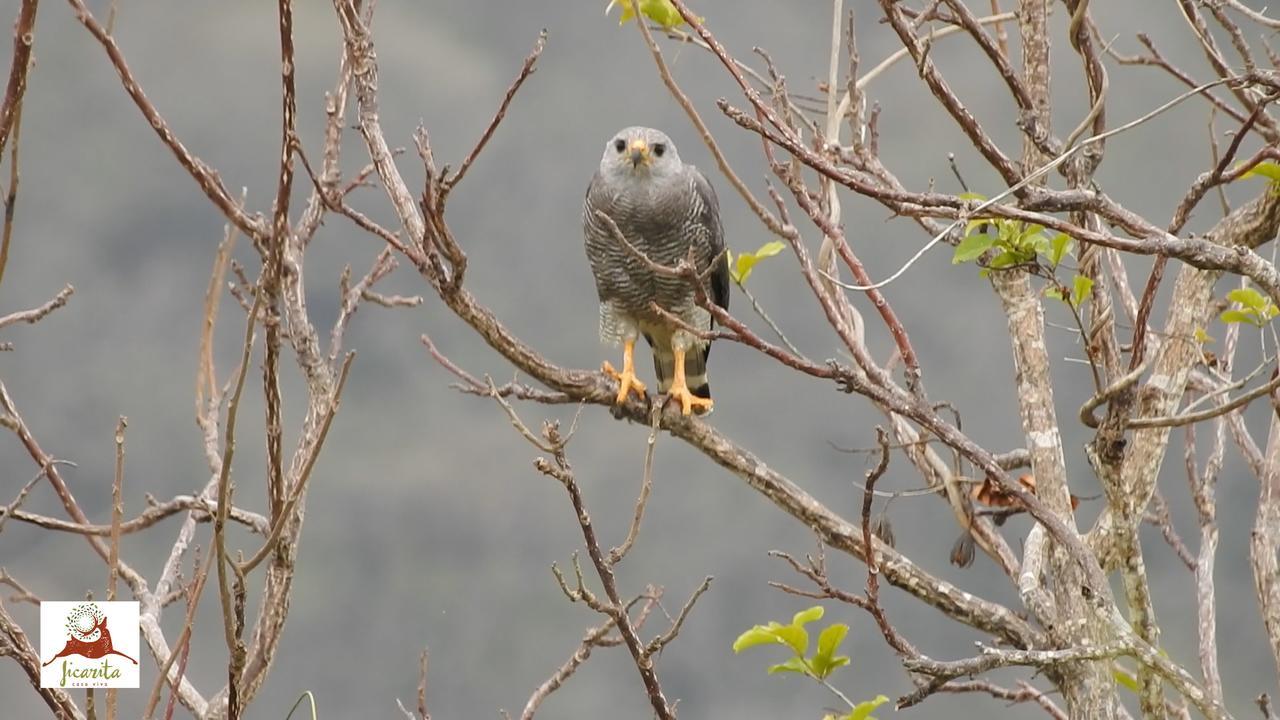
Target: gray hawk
(666, 210)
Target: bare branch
(35, 315)
(527, 69)
(205, 176)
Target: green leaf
(1059, 247)
(774, 633)
(1249, 298)
(1004, 260)
(863, 710)
(659, 11)
(795, 665)
(1054, 293)
(1125, 679)
(830, 639)
(1202, 337)
(741, 269)
(1031, 232)
(795, 636)
(972, 196)
(770, 249)
(758, 635)
(1080, 290)
(1007, 232)
(824, 665)
(805, 617)
(1238, 316)
(979, 225)
(1266, 169)
(825, 660)
(972, 247)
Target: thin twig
(205, 176)
(11, 196)
(766, 217)
(181, 645)
(646, 486)
(37, 314)
(205, 509)
(300, 485)
(1202, 415)
(527, 69)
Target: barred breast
(662, 224)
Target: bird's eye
(659, 149)
(620, 145)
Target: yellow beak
(639, 152)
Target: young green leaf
(1249, 298)
(972, 247)
(805, 617)
(758, 635)
(659, 11)
(978, 225)
(1081, 287)
(1005, 259)
(1059, 247)
(746, 261)
(825, 660)
(1007, 232)
(1125, 679)
(1202, 337)
(1038, 243)
(972, 196)
(824, 665)
(863, 710)
(742, 268)
(1239, 316)
(796, 637)
(830, 639)
(774, 633)
(771, 248)
(796, 665)
(1266, 169)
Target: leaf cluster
(1012, 243)
(740, 267)
(819, 665)
(1253, 308)
(659, 11)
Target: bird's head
(639, 152)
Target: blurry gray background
(426, 524)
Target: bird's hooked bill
(639, 152)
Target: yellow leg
(680, 389)
(627, 380)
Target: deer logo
(87, 635)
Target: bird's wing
(709, 217)
(597, 236)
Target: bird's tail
(695, 369)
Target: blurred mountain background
(426, 524)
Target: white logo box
(89, 644)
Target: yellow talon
(680, 390)
(627, 380)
